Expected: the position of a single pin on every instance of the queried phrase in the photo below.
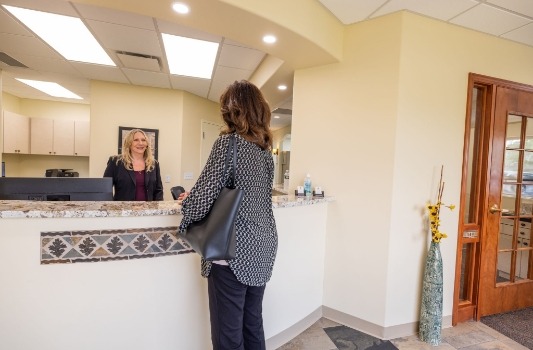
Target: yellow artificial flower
(434, 214)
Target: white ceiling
(507, 19)
(119, 31)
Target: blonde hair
(126, 157)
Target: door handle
(495, 209)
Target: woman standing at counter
(236, 287)
(136, 175)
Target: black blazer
(124, 181)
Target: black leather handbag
(213, 237)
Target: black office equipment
(56, 189)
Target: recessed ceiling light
(276, 117)
(282, 87)
(190, 57)
(269, 39)
(50, 88)
(180, 7)
(67, 35)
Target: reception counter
(113, 275)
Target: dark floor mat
(346, 338)
(517, 325)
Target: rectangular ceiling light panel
(49, 88)
(190, 57)
(67, 35)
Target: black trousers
(236, 312)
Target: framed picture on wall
(153, 135)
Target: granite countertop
(37, 209)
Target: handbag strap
(232, 152)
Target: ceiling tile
(519, 6)
(439, 9)
(144, 78)
(523, 35)
(490, 20)
(240, 57)
(122, 38)
(223, 77)
(117, 17)
(20, 44)
(98, 72)
(9, 25)
(349, 12)
(45, 64)
(195, 86)
(60, 7)
(177, 29)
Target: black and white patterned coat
(256, 234)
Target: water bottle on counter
(307, 186)
(286, 181)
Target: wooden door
(506, 268)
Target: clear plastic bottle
(286, 181)
(307, 186)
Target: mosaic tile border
(66, 247)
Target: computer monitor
(56, 188)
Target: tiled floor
(328, 335)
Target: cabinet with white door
(81, 137)
(52, 136)
(16, 133)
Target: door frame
(475, 176)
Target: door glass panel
(508, 199)
(524, 261)
(529, 136)
(524, 233)
(517, 187)
(506, 234)
(464, 286)
(518, 273)
(476, 116)
(504, 267)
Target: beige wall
(195, 110)
(54, 110)
(395, 112)
(114, 105)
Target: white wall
(353, 160)
(395, 109)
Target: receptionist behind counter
(135, 172)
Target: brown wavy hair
(126, 157)
(246, 112)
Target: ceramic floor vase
(431, 308)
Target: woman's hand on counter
(183, 195)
